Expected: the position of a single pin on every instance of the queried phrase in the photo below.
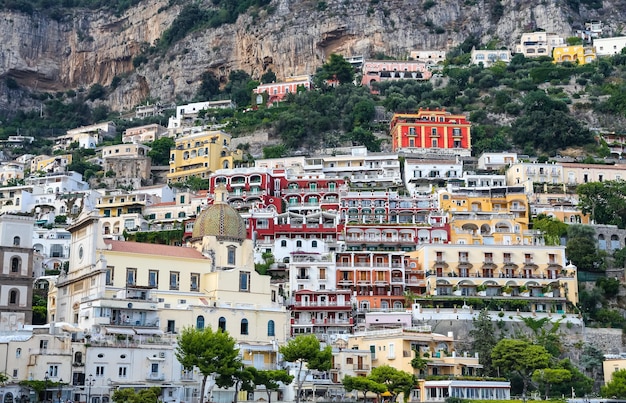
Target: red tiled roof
(154, 249)
(164, 204)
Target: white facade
(11, 171)
(609, 46)
(535, 44)
(489, 57)
(494, 161)
(190, 111)
(420, 175)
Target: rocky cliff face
(295, 38)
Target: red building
(276, 92)
(431, 131)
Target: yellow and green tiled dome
(220, 220)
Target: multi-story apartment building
(495, 161)
(364, 170)
(609, 46)
(187, 114)
(529, 173)
(385, 70)
(540, 43)
(473, 180)
(431, 131)
(85, 136)
(430, 57)
(538, 276)
(321, 312)
(11, 172)
(249, 187)
(397, 347)
(489, 57)
(16, 275)
(143, 134)
(47, 164)
(424, 175)
(576, 174)
(199, 154)
(376, 277)
(53, 245)
(349, 362)
(16, 199)
(270, 93)
(575, 54)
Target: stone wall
(609, 341)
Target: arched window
(14, 296)
(298, 244)
(244, 326)
(18, 353)
(200, 322)
(221, 324)
(16, 241)
(384, 305)
(15, 265)
(78, 357)
(313, 244)
(271, 328)
(283, 244)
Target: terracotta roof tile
(154, 249)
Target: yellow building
(575, 54)
(487, 215)
(398, 347)
(537, 275)
(200, 154)
(611, 364)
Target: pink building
(278, 91)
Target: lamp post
(89, 381)
(60, 392)
(45, 386)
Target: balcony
(155, 376)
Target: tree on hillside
(483, 336)
(271, 380)
(521, 358)
(605, 202)
(213, 353)
(268, 77)
(616, 389)
(395, 380)
(209, 87)
(306, 350)
(581, 248)
(362, 384)
(548, 376)
(337, 68)
(160, 150)
(553, 229)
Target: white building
(540, 43)
(494, 161)
(186, 114)
(489, 57)
(609, 46)
(421, 175)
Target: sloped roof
(153, 249)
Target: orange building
(431, 131)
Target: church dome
(220, 220)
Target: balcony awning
(472, 365)
(119, 330)
(158, 332)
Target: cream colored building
(11, 171)
(612, 364)
(45, 163)
(576, 174)
(538, 274)
(144, 134)
(529, 173)
(540, 43)
(489, 57)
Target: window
(283, 244)
(153, 278)
(244, 326)
(122, 372)
(411, 131)
(221, 324)
(78, 357)
(18, 353)
(244, 281)
(43, 344)
(298, 244)
(200, 322)
(109, 275)
(154, 368)
(322, 273)
(14, 297)
(271, 328)
(174, 277)
(195, 282)
(231, 255)
(16, 241)
(131, 276)
(15, 264)
(99, 370)
(53, 371)
(314, 244)
(171, 326)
